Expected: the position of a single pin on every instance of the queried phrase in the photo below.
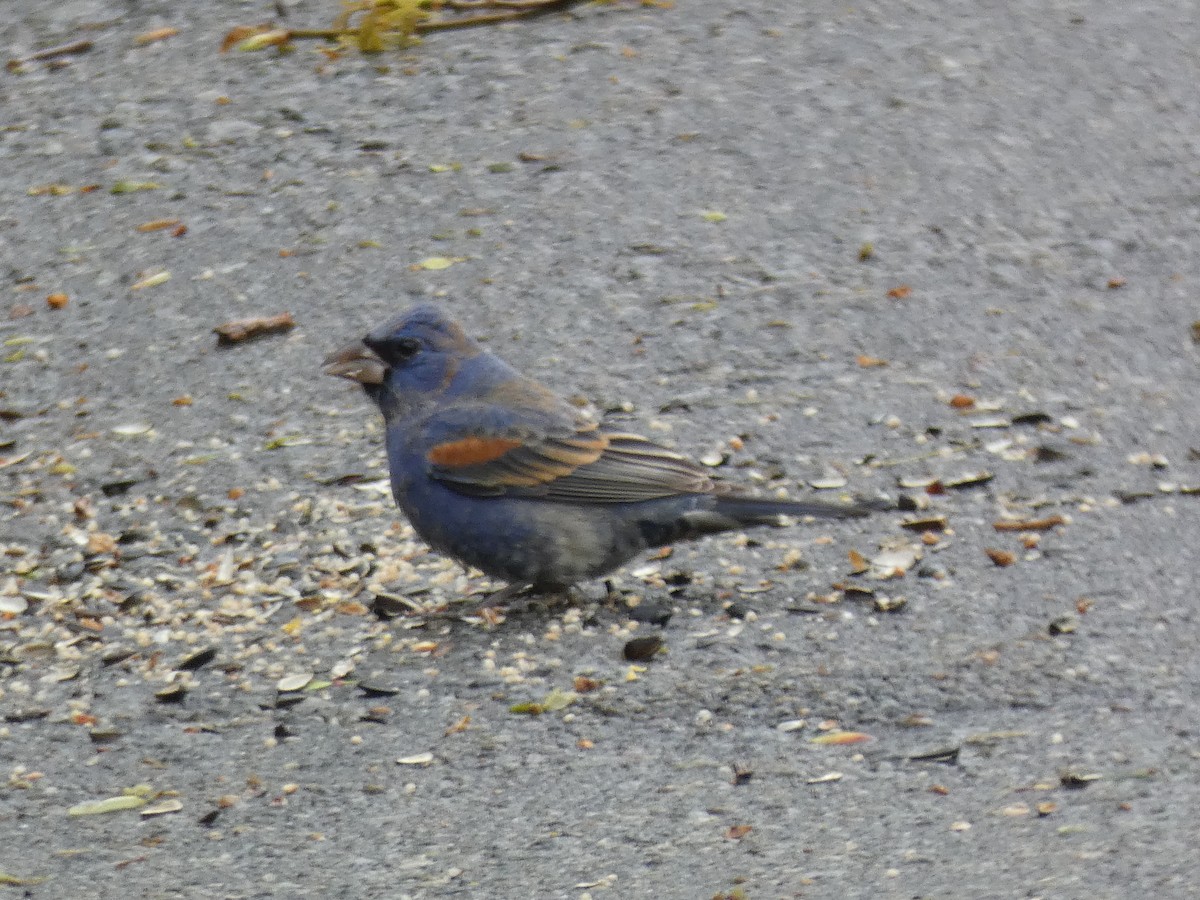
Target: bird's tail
(703, 514)
(766, 511)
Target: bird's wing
(559, 458)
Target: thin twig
(518, 9)
(82, 46)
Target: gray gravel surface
(998, 201)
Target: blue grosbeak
(494, 470)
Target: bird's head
(406, 361)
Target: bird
(496, 471)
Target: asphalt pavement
(939, 253)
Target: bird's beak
(357, 362)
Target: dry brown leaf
(246, 329)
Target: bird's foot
(487, 609)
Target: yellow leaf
(436, 263)
(112, 804)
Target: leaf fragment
(108, 805)
(240, 330)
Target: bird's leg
(502, 596)
(485, 608)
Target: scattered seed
(1078, 780)
(969, 480)
(1001, 558)
(132, 187)
(13, 605)
(172, 693)
(890, 604)
(157, 225)
(297, 682)
(151, 281)
(417, 759)
(828, 484)
(198, 659)
(1063, 625)
(925, 523)
(827, 778)
(840, 737)
(642, 649)
(161, 808)
(158, 34)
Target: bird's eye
(406, 348)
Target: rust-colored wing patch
(470, 451)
